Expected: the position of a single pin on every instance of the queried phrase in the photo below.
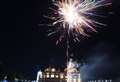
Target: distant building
(70, 74)
(51, 75)
(73, 73)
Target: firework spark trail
(74, 16)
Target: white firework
(75, 15)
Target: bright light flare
(75, 15)
(71, 16)
(69, 13)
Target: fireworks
(74, 16)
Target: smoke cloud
(100, 66)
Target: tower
(73, 74)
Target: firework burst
(74, 16)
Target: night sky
(25, 47)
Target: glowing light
(39, 75)
(47, 76)
(61, 75)
(53, 69)
(57, 76)
(75, 16)
(52, 75)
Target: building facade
(51, 75)
(70, 74)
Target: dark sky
(25, 47)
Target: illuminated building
(70, 74)
(73, 74)
(51, 75)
